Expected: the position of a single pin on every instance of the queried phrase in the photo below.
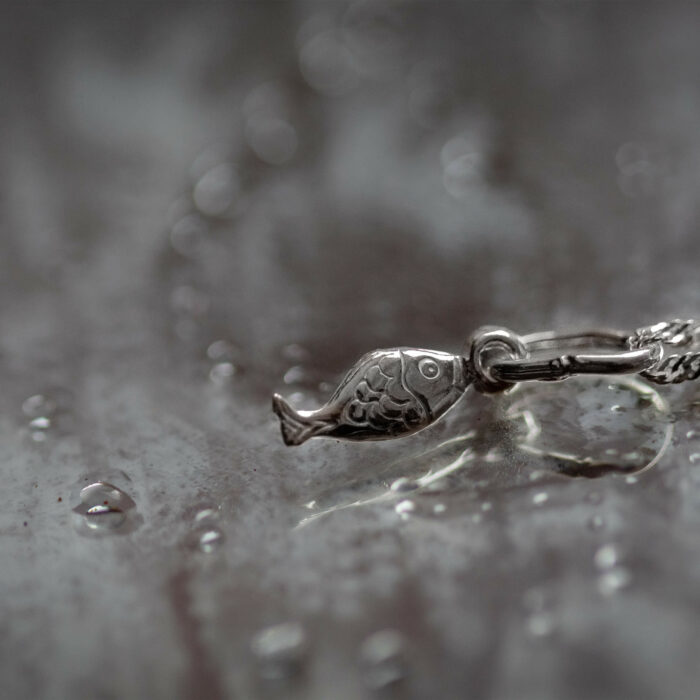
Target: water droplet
(295, 352)
(104, 507)
(206, 514)
(294, 375)
(210, 157)
(439, 508)
(692, 434)
(695, 457)
(221, 350)
(540, 624)
(456, 148)
(48, 410)
(280, 650)
(493, 455)
(613, 581)
(486, 506)
(38, 406)
(618, 409)
(463, 174)
(210, 540)
(404, 508)
(382, 658)
(596, 522)
(606, 557)
(41, 423)
(539, 498)
(222, 373)
(104, 517)
(634, 154)
(327, 64)
(102, 492)
(188, 235)
(216, 191)
(404, 484)
(274, 140)
(631, 479)
(374, 33)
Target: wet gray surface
(306, 182)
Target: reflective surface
(205, 204)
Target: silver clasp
(500, 358)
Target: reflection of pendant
(591, 428)
(396, 392)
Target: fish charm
(388, 393)
(397, 392)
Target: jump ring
(493, 338)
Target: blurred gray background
(202, 203)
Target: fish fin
(296, 428)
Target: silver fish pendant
(386, 394)
(397, 392)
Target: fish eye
(429, 368)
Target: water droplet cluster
(207, 536)
(281, 653)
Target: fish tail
(296, 428)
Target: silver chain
(676, 367)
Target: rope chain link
(675, 368)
